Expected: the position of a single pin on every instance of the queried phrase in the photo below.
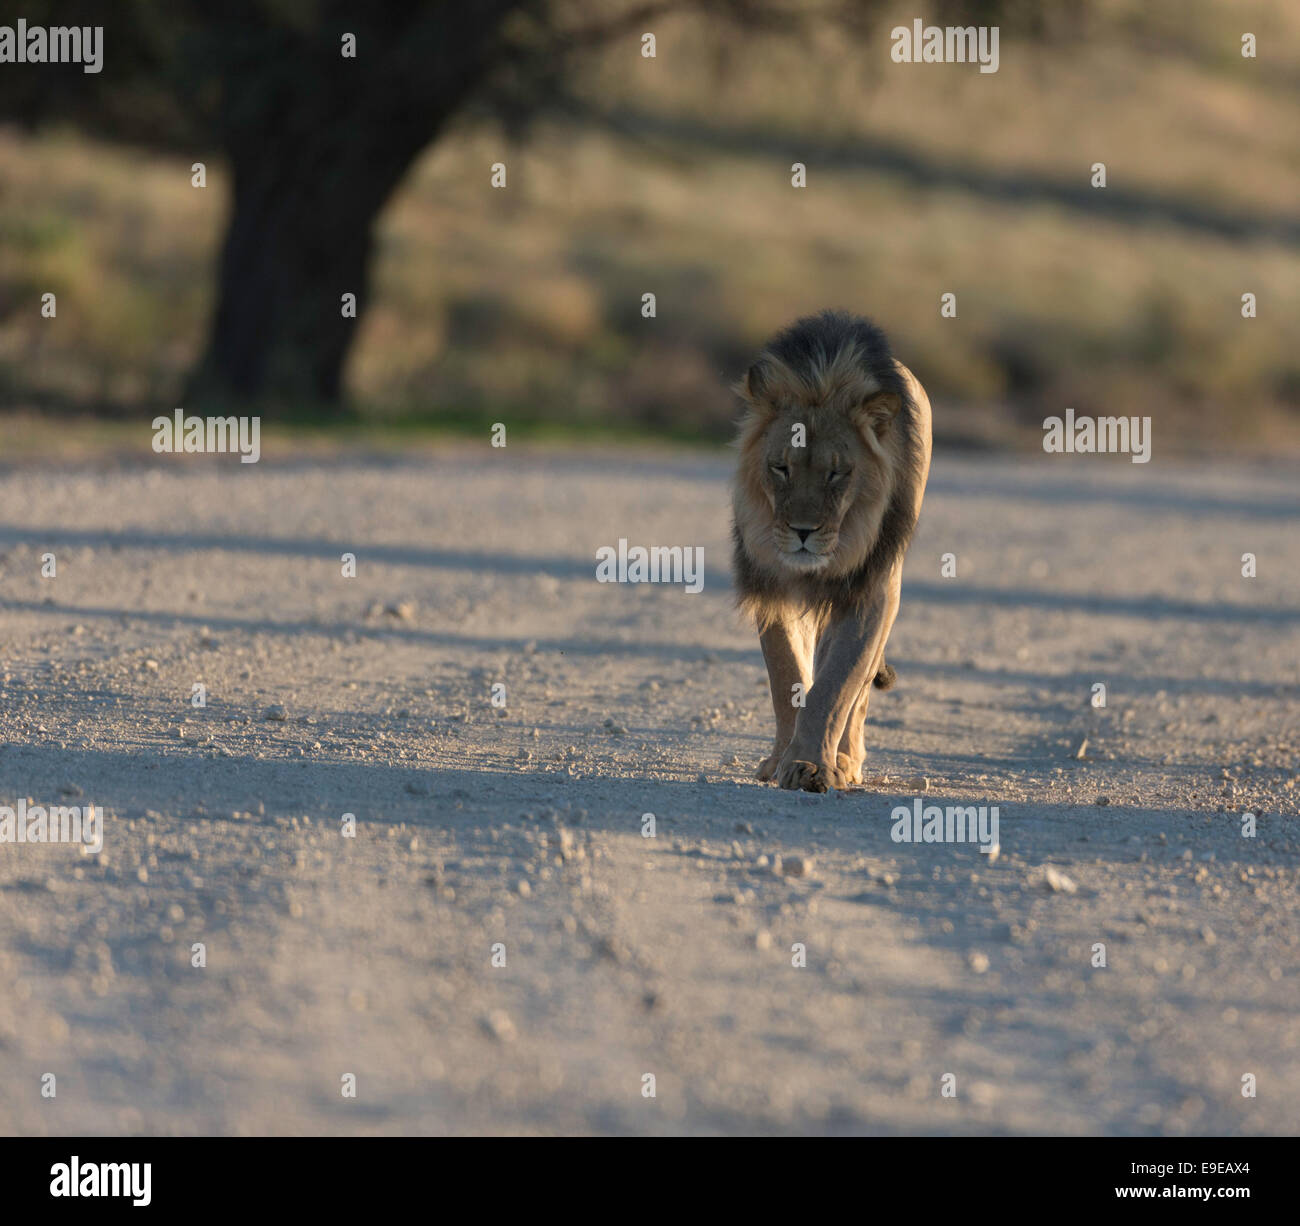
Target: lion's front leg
(846, 661)
(788, 652)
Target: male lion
(834, 456)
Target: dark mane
(804, 347)
(812, 342)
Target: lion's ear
(753, 387)
(877, 412)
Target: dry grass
(525, 305)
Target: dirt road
(500, 948)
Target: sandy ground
(521, 828)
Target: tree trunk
(317, 142)
(300, 236)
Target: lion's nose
(803, 533)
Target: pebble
(275, 712)
(1058, 882)
(570, 848)
(797, 866)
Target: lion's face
(812, 487)
(820, 459)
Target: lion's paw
(798, 775)
(850, 771)
(768, 767)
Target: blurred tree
(316, 141)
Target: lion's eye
(781, 470)
(839, 476)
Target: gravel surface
(500, 948)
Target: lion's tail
(885, 676)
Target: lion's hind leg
(853, 746)
(852, 751)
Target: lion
(834, 457)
